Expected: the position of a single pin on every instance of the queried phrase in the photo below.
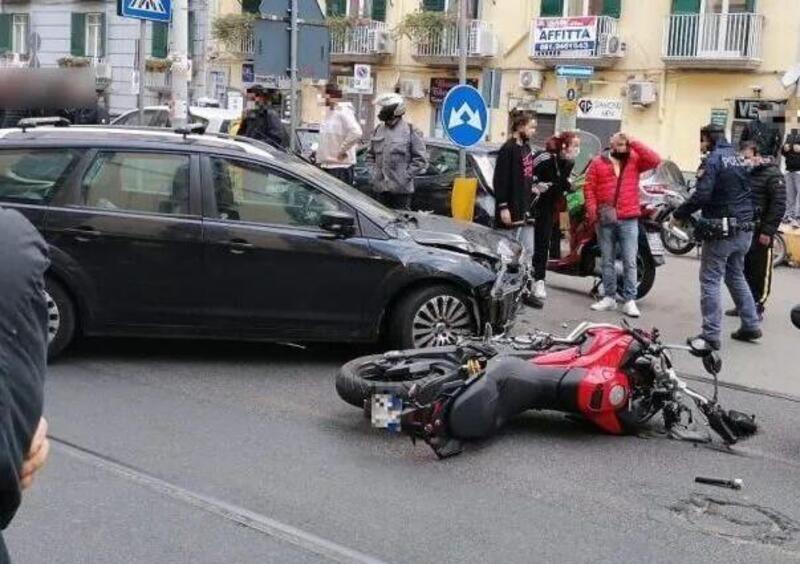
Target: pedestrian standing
(551, 169)
(791, 154)
(23, 359)
(339, 135)
(396, 154)
(612, 204)
(262, 122)
(513, 186)
(768, 192)
(723, 195)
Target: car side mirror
(339, 223)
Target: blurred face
(571, 152)
(750, 157)
(705, 144)
(527, 130)
(331, 100)
(619, 145)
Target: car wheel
(779, 251)
(60, 318)
(431, 317)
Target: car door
(269, 269)
(31, 176)
(434, 188)
(131, 230)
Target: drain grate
(738, 520)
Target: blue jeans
(625, 234)
(724, 258)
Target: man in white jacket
(338, 137)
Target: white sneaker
(539, 291)
(630, 309)
(606, 304)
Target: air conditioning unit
(530, 79)
(642, 92)
(411, 88)
(102, 71)
(612, 46)
(486, 44)
(384, 43)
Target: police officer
(263, 123)
(723, 195)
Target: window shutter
(433, 5)
(751, 6)
(251, 6)
(552, 8)
(77, 44)
(379, 10)
(102, 52)
(337, 7)
(158, 47)
(685, 6)
(192, 23)
(5, 32)
(612, 8)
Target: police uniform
(726, 228)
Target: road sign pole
(463, 39)
(293, 75)
(140, 61)
(181, 66)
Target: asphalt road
(223, 452)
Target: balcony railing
(443, 44)
(586, 39)
(713, 40)
(370, 39)
(160, 82)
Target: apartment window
(713, 6)
(473, 6)
(567, 8)
(19, 35)
(87, 35)
(159, 41)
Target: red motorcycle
(616, 377)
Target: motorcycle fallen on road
(616, 377)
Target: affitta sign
(565, 37)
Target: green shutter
(685, 6)
(433, 5)
(5, 32)
(102, 52)
(379, 10)
(251, 6)
(77, 43)
(337, 8)
(191, 34)
(552, 8)
(612, 8)
(159, 46)
(751, 6)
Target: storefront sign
(600, 108)
(719, 116)
(441, 86)
(565, 37)
(748, 109)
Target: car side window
(132, 118)
(141, 182)
(35, 175)
(442, 161)
(246, 192)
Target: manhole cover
(737, 520)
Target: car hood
(463, 236)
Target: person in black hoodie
(791, 152)
(513, 183)
(768, 192)
(551, 169)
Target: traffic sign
(153, 10)
(568, 71)
(362, 75)
(464, 116)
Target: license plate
(386, 410)
(656, 246)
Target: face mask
(571, 154)
(620, 156)
(386, 114)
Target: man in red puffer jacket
(612, 203)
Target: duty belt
(723, 228)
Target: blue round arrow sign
(464, 116)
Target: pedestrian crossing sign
(153, 10)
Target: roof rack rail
(195, 127)
(56, 121)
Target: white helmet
(390, 106)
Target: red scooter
(616, 377)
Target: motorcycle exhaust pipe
(677, 232)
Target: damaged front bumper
(500, 301)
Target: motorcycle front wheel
(395, 373)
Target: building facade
(660, 69)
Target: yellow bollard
(462, 201)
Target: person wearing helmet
(726, 229)
(263, 123)
(396, 154)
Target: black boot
(747, 335)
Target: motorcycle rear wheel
(360, 379)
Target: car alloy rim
(440, 322)
(53, 318)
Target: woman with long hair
(551, 168)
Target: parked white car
(216, 120)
